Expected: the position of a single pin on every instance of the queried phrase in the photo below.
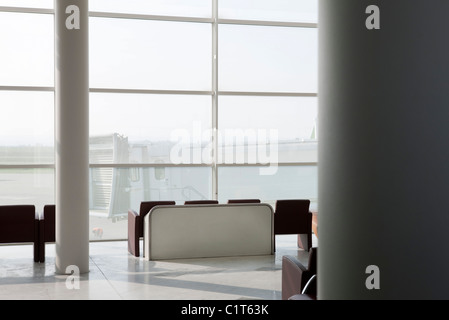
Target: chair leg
(36, 253)
(305, 241)
(42, 252)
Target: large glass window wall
(197, 99)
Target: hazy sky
(141, 54)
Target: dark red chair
(19, 224)
(201, 202)
(47, 229)
(244, 201)
(294, 217)
(299, 281)
(136, 221)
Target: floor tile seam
(106, 278)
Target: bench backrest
(196, 231)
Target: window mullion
(215, 97)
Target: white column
(384, 151)
(72, 135)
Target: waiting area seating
(135, 224)
(23, 224)
(20, 224)
(294, 217)
(299, 281)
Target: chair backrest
(146, 206)
(292, 216)
(243, 201)
(49, 225)
(201, 202)
(18, 223)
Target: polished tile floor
(114, 274)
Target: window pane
(46, 4)
(140, 54)
(289, 182)
(138, 128)
(27, 186)
(182, 8)
(26, 127)
(255, 58)
(114, 191)
(27, 50)
(272, 10)
(288, 124)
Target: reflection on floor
(115, 274)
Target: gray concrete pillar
(383, 153)
(72, 135)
